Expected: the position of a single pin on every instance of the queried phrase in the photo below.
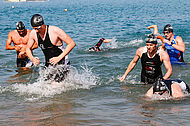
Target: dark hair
(20, 25)
(36, 20)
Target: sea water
(92, 93)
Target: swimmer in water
(19, 38)
(172, 43)
(50, 39)
(173, 87)
(97, 46)
(151, 61)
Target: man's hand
(161, 38)
(54, 60)
(18, 47)
(36, 61)
(152, 26)
(122, 78)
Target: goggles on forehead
(151, 40)
(160, 86)
(37, 28)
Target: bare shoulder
(163, 54)
(12, 33)
(140, 50)
(28, 30)
(179, 39)
(55, 28)
(33, 34)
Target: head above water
(20, 25)
(159, 86)
(36, 20)
(168, 28)
(151, 39)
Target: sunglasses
(37, 28)
(165, 32)
(21, 30)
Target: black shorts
(23, 62)
(57, 73)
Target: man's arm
(176, 90)
(166, 60)
(154, 27)
(107, 40)
(9, 41)
(132, 64)
(67, 39)
(29, 46)
(179, 44)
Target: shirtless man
(50, 39)
(20, 38)
(172, 43)
(151, 61)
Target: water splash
(113, 44)
(161, 97)
(135, 42)
(75, 79)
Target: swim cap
(151, 39)
(168, 28)
(36, 20)
(159, 86)
(20, 26)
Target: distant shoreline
(23, 0)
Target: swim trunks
(24, 62)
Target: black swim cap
(159, 86)
(168, 28)
(151, 39)
(36, 20)
(20, 25)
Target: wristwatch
(172, 43)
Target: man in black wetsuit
(50, 39)
(97, 46)
(151, 61)
(173, 88)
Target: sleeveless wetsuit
(50, 51)
(176, 56)
(151, 68)
(97, 46)
(182, 84)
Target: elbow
(183, 50)
(170, 72)
(7, 48)
(74, 44)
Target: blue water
(92, 93)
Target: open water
(92, 93)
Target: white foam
(161, 97)
(83, 79)
(135, 42)
(113, 44)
